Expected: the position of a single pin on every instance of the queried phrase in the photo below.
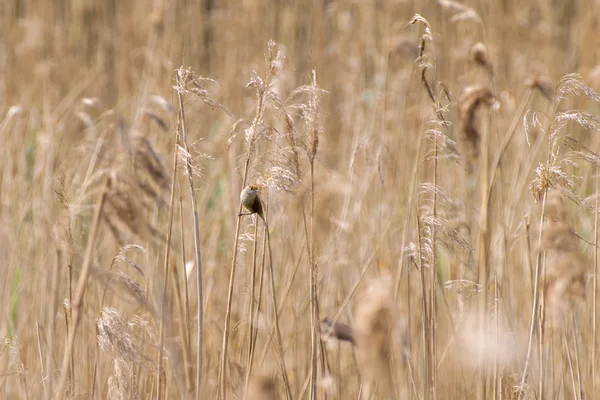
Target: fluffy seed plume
(123, 286)
(311, 115)
(116, 337)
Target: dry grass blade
(115, 336)
(253, 134)
(183, 75)
(81, 288)
(368, 167)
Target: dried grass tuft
(125, 287)
(479, 55)
(514, 389)
(120, 383)
(311, 115)
(127, 211)
(470, 101)
(573, 84)
(116, 337)
(149, 170)
(137, 182)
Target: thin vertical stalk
(52, 322)
(433, 279)
(81, 287)
(224, 354)
(506, 140)
(42, 370)
(496, 329)
(197, 252)
(426, 320)
(569, 364)
(251, 327)
(185, 344)
(314, 320)
(595, 289)
(482, 243)
(535, 306)
(541, 317)
(183, 263)
(163, 300)
(260, 292)
(577, 360)
(280, 354)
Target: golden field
(428, 172)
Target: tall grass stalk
(77, 302)
(251, 326)
(197, 252)
(164, 298)
(252, 136)
(595, 284)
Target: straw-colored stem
(39, 347)
(535, 303)
(251, 326)
(595, 287)
(482, 246)
(497, 330)
(433, 280)
(314, 314)
(279, 352)
(224, 348)
(506, 140)
(541, 332)
(52, 322)
(197, 252)
(81, 287)
(185, 345)
(426, 320)
(163, 299)
(183, 264)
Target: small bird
(251, 201)
(337, 330)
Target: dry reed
(362, 173)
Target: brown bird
(338, 330)
(251, 201)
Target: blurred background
(87, 92)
